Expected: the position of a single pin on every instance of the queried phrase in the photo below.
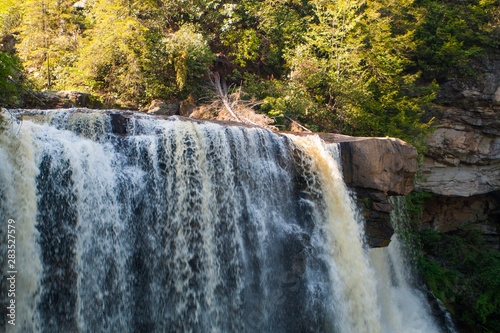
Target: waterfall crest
(180, 227)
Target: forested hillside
(356, 67)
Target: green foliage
(415, 203)
(347, 73)
(283, 25)
(118, 49)
(459, 269)
(450, 33)
(247, 44)
(10, 16)
(111, 57)
(181, 59)
(340, 66)
(10, 80)
(465, 275)
(50, 36)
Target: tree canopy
(353, 66)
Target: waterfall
(404, 307)
(350, 268)
(142, 224)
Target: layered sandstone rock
(479, 212)
(464, 150)
(462, 167)
(464, 153)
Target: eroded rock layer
(462, 167)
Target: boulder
(8, 43)
(78, 99)
(164, 108)
(383, 165)
(63, 99)
(80, 5)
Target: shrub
(10, 79)
(465, 275)
(177, 64)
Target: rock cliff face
(464, 153)
(462, 167)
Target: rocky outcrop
(462, 166)
(62, 99)
(163, 108)
(478, 212)
(464, 153)
(8, 43)
(385, 165)
(464, 150)
(78, 99)
(375, 168)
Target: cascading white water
(404, 308)
(357, 310)
(18, 171)
(149, 225)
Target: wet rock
(382, 165)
